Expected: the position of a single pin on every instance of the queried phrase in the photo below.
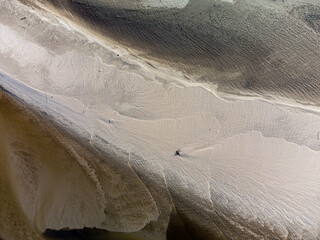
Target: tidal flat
(248, 166)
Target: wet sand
(128, 117)
(33, 156)
(237, 46)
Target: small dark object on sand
(24, 18)
(177, 153)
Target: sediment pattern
(249, 47)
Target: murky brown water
(13, 223)
(42, 184)
(30, 161)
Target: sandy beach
(248, 167)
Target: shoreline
(64, 141)
(78, 147)
(177, 77)
(143, 121)
(73, 18)
(179, 225)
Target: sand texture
(249, 162)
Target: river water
(35, 169)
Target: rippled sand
(249, 166)
(245, 47)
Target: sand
(249, 167)
(252, 47)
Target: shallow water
(38, 174)
(244, 47)
(13, 223)
(31, 159)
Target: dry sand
(249, 168)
